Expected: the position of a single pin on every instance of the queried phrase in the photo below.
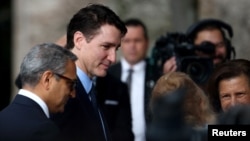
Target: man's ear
(46, 79)
(79, 39)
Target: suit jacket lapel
(83, 98)
(85, 102)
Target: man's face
(63, 88)
(96, 55)
(214, 36)
(134, 45)
(234, 91)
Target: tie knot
(130, 70)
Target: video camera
(178, 45)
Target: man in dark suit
(113, 100)
(93, 34)
(134, 49)
(48, 78)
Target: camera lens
(196, 71)
(199, 69)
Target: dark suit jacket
(24, 120)
(116, 71)
(113, 97)
(79, 122)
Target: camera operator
(208, 30)
(198, 67)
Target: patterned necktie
(129, 79)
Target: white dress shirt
(136, 97)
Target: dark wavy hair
(89, 19)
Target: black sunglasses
(71, 81)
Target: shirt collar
(137, 67)
(35, 98)
(85, 80)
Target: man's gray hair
(43, 57)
